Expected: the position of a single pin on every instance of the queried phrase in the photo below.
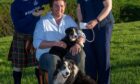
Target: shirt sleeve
(38, 34)
(70, 22)
(81, 33)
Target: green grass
(125, 53)
(125, 57)
(6, 69)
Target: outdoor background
(125, 43)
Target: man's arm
(79, 14)
(81, 39)
(39, 40)
(106, 10)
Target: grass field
(125, 53)
(125, 57)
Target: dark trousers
(97, 63)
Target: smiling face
(58, 8)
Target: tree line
(122, 11)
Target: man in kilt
(24, 14)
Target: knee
(47, 61)
(82, 55)
(43, 61)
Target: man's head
(58, 7)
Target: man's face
(58, 8)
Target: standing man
(24, 14)
(97, 14)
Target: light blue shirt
(48, 29)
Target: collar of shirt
(52, 19)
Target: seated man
(48, 33)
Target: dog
(70, 39)
(67, 72)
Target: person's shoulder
(16, 3)
(67, 16)
(43, 18)
(47, 16)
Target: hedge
(6, 27)
(123, 11)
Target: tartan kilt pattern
(17, 53)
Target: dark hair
(51, 2)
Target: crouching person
(48, 33)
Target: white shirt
(47, 29)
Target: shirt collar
(51, 18)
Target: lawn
(125, 57)
(125, 53)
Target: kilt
(17, 53)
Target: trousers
(97, 63)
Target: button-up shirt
(47, 29)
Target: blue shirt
(21, 14)
(47, 29)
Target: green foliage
(116, 8)
(5, 20)
(130, 12)
(71, 8)
(126, 10)
(123, 11)
(125, 57)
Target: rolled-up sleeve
(80, 33)
(38, 34)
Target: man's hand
(29, 47)
(92, 24)
(61, 44)
(75, 49)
